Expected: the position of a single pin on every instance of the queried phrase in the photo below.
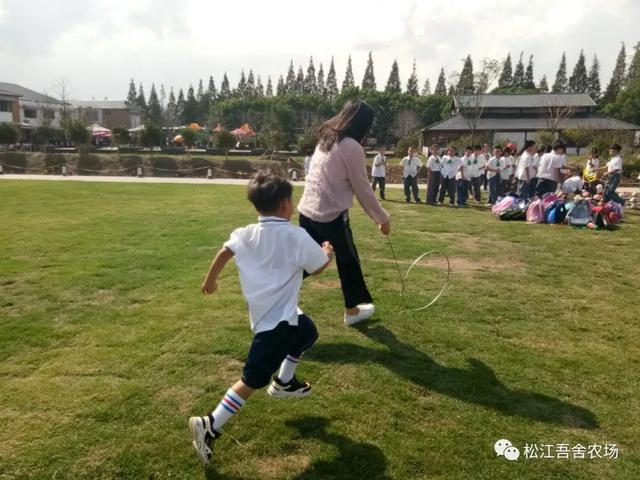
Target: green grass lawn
(107, 345)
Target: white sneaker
(366, 310)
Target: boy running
(271, 256)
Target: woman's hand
(385, 228)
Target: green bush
(53, 162)
(164, 167)
(14, 162)
(89, 164)
(404, 143)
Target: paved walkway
(201, 181)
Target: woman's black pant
(338, 233)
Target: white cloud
(98, 46)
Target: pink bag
(502, 205)
(535, 212)
(548, 199)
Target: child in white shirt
(378, 171)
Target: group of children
(535, 170)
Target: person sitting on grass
(574, 184)
(271, 256)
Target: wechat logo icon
(504, 448)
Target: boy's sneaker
(365, 312)
(294, 388)
(204, 436)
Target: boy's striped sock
(288, 368)
(228, 406)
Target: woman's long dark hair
(354, 121)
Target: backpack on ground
(503, 204)
(555, 212)
(518, 211)
(580, 213)
(535, 211)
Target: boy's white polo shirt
(271, 256)
(614, 164)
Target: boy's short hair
(477, 147)
(266, 191)
(594, 150)
(616, 147)
(558, 144)
(468, 147)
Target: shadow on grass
(364, 458)
(478, 384)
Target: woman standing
(338, 171)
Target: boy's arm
(210, 283)
(328, 250)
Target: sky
(97, 46)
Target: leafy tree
(225, 88)
(121, 136)
(290, 82)
(543, 87)
(140, 100)
(132, 95)
(369, 79)
(393, 83)
(506, 80)
(426, 89)
(8, 134)
(617, 77)
(43, 135)
(269, 91)
(321, 88)
(518, 75)
(154, 110)
(441, 86)
(466, 80)
(593, 80)
(579, 81)
(78, 133)
(332, 83)
(634, 66)
(626, 106)
(560, 85)
(348, 76)
(152, 135)
(310, 84)
(412, 83)
(189, 136)
(224, 141)
(529, 83)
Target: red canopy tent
(244, 131)
(219, 128)
(99, 131)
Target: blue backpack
(555, 212)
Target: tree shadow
(478, 384)
(364, 458)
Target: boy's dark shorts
(270, 348)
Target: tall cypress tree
(180, 104)
(617, 77)
(140, 100)
(332, 82)
(579, 82)
(348, 76)
(200, 93)
(369, 79)
(269, 91)
(518, 74)
(560, 85)
(529, 83)
(299, 90)
(465, 82)
(506, 79)
(441, 86)
(259, 87)
(154, 110)
(290, 82)
(281, 88)
(543, 87)
(251, 85)
(310, 81)
(393, 82)
(171, 112)
(241, 89)
(426, 90)
(412, 83)
(634, 66)
(190, 111)
(163, 96)
(225, 88)
(593, 81)
(212, 92)
(320, 84)
(132, 95)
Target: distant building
(108, 113)
(28, 109)
(518, 117)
